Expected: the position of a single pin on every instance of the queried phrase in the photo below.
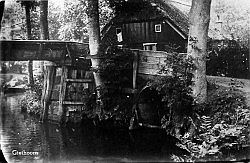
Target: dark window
(118, 30)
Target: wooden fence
(147, 64)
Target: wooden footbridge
(65, 82)
(69, 82)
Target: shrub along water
(116, 71)
(176, 92)
(174, 89)
(32, 99)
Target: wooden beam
(135, 67)
(55, 51)
(50, 75)
(80, 80)
(178, 31)
(62, 91)
(73, 103)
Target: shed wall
(134, 34)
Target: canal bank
(49, 142)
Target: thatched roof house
(149, 25)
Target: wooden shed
(147, 25)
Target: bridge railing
(49, 50)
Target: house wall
(134, 34)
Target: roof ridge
(179, 18)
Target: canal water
(24, 139)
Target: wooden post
(49, 82)
(62, 111)
(134, 119)
(43, 93)
(135, 67)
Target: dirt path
(241, 84)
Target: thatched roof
(173, 13)
(153, 9)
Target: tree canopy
(67, 22)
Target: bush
(222, 125)
(31, 103)
(37, 88)
(174, 89)
(176, 93)
(116, 71)
(228, 58)
(32, 99)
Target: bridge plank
(80, 80)
(73, 103)
(49, 50)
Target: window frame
(150, 44)
(156, 27)
(118, 28)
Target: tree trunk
(248, 52)
(44, 34)
(94, 41)
(197, 45)
(28, 24)
(1, 12)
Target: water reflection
(22, 132)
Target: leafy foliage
(14, 26)
(38, 86)
(228, 58)
(226, 106)
(73, 21)
(127, 5)
(54, 21)
(30, 4)
(229, 21)
(116, 67)
(175, 88)
(222, 125)
(116, 71)
(35, 25)
(70, 24)
(13, 19)
(32, 101)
